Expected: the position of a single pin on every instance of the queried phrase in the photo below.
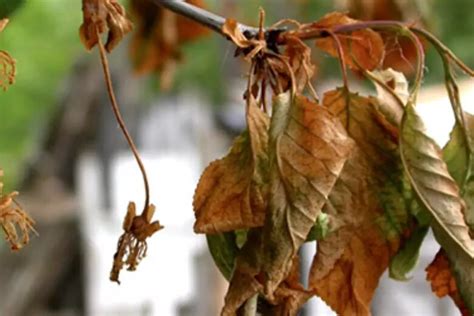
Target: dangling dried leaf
(442, 280)
(101, 16)
(7, 64)
(231, 193)
(299, 59)
(132, 245)
(12, 218)
(365, 46)
(159, 34)
(432, 182)
(308, 149)
(368, 201)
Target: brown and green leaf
(231, 193)
(369, 203)
(430, 178)
(308, 149)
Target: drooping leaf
(432, 182)
(407, 258)
(460, 161)
(365, 46)
(308, 149)
(442, 280)
(368, 200)
(231, 192)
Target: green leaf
(320, 229)
(223, 249)
(429, 176)
(407, 258)
(308, 148)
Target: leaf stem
(120, 121)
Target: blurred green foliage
(42, 38)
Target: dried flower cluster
(132, 245)
(12, 218)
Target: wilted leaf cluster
(359, 173)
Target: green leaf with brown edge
(407, 257)
(231, 193)
(368, 200)
(430, 178)
(308, 147)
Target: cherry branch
(201, 16)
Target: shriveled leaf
(101, 16)
(407, 258)
(365, 46)
(252, 46)
(432, 182)
(223, 249)
(368, 200)
(231, 193)
(308, 149)
(442, 280)
(156, 43)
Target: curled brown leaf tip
(132, 245)
(100, 16)
(13, 217)
(7, 64)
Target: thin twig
(118, 116)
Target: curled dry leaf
(365, 46)
(100, 16)
(442, 280)
(132, 245)
(432, 182)
(231, 193)
(12, 216)
(251, 47)
(308, 149)
(368, 201)
(7, 64)
(158, 37)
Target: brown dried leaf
(231, 193)
(365, 46)
(367, 200)
(100, 16)
(308, 149)
(252, 46)
(159, 33)
(442, 280)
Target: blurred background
(61, 147)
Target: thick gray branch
(201, 16)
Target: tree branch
(201, 16)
